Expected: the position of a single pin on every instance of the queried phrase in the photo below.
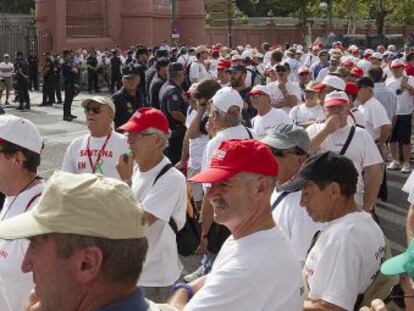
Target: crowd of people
(283, 152)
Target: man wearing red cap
(335, 134)
(223, 72)
(242, 177)
(162, 191)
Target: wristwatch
(184, 286)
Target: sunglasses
(284, 152)
(95, 110)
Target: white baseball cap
(227, 97)
(247, 54)
(101, 100)
(332, 81)
(21, 132)
(377, 55)
(260, 89)
(336, 98)
(397, 63)
(303, 69)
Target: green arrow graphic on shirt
(99, 167)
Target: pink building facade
(108, 23)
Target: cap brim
(276, 143)
(21, 226)
(294, 184)
(394, 265)
(131, 127)
(212, 175)
(258, 92)
(335, 102)
(319, 87)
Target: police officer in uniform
(22, 76)
(70, 73)
(129, 98)
(92, 63)
(57, 69)
(174, 106)
(150, 74)
(142, 56)
(48, 87)
(159, 80)
(116, 75)
(33, 71)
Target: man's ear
(88, 264)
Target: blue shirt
(135, 302)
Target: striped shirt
(387, 98)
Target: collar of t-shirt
(155, 170)
(135, 302)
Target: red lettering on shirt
(82, 165)
(3, 253)
(95, 153)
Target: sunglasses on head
(95, 110)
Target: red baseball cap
(224, 64)
(356, 71)
(235, 156)
(351, 89)
(347, 62)
(144, 118)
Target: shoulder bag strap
(279, 199)
(249, 133)
(348, 141)
(162, 172)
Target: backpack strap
(29, 204)
(279, 199)
(249, 132)
(348, 141)
(162, 172)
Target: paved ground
(58, 134)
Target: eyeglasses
(138, 135)
(95, 110)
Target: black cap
(365, 82)
(325, 167)
(238, 67)
(142, 50)
(130, 70)
(162, 62)
(161, 53)
(174, 67)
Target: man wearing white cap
(335, 134)
(198, 70)
(329, 83)
(99, 150)
(20, 148)
(87, 252)
(267, 117)
(365, 63)
(403, 87)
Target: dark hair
(277, 56)
(32, 159)
(365, 82)
(376, 74)
(347, 189)
(206, 89)
(409, 57)
(122, 259)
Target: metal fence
(86, 18)
(17, 33)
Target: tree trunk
(380, 22)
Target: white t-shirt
(303, 114)
(362, 150)
(277, 95)
(196, 145)
(345, 259)
(409, 188)
(356, 117)
(235, 132)
(375, 116)
(256, 272)
(261, 124)
(76, 158)
(16, 284)
(405, 101)
(295, 222)
(198, 72)
(166, 199)
(184, 60)
(322, 74)
(6, 70)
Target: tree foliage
(17, 6)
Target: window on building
(86, 18)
